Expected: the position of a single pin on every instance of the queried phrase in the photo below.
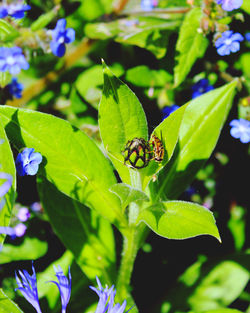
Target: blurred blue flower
(106, 300)
(148, 5)
(20, 230)
(7, 230)
(201, 87)
(15, 88)
(3, 11)
(166, 111)
(16, 9)
(64, 286)
(27, 284)
(27, 162)
(60, 37)
(247, 36)
(23, 214)
(228, 42)
(240, 130)
(12, 60)
(229, 5)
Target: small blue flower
(23, 214)
(3, 11)
(229, 5)
(166, 111)
(106, 300)
(247, 36)
(12, 60)
(17, 10)
(27, 162)
(15, 88)
(148, 5)
(240, 130)
(64, 286)
(202, 86)
(60, 37)
(228, 42)
(20, 230)
(27, 284)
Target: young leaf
(121, 118)
(168, 132)
(71, 160)
(7, 166)
(7, 305)
(128, 194)
(191, 45)
(88, 236)
(7, 31)
(199, 132)
(179, 220)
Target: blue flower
(18, 9)
(23, 214)
(27, 162)
(166, 111)
(148, 5)
(20, 230)
(12, 60)
(64, 286)
(106, 300)
(202, 86)
(3, 11)
(228, 42)
(247, 36)
(60, 37)
(27, 284)
(15, 88)
(240, 130)
(229, 5)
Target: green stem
(130, 247)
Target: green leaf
(7, 31)
(30, 249)
(7, 305)
(88, 83)
(246, 6)
(43, 20)
(223, 310)
(147, 32)
(71, 160)
(199, 132)
(6, 166)
(127, 194)
(88, 236)
(121, 118)
(143, 76)
(179, 220)
(191, 45)
(168, 132)
(220, 287)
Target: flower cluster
(230, 5)
(106, 300)
(240, 130)
(16, 10)
(27, 162)
(15, 88)
(228, 42)
(201, 87)
(27, 284)
(12, 60)
(60, 37)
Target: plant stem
(131, 245)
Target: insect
(137, 153)
(158, 149)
